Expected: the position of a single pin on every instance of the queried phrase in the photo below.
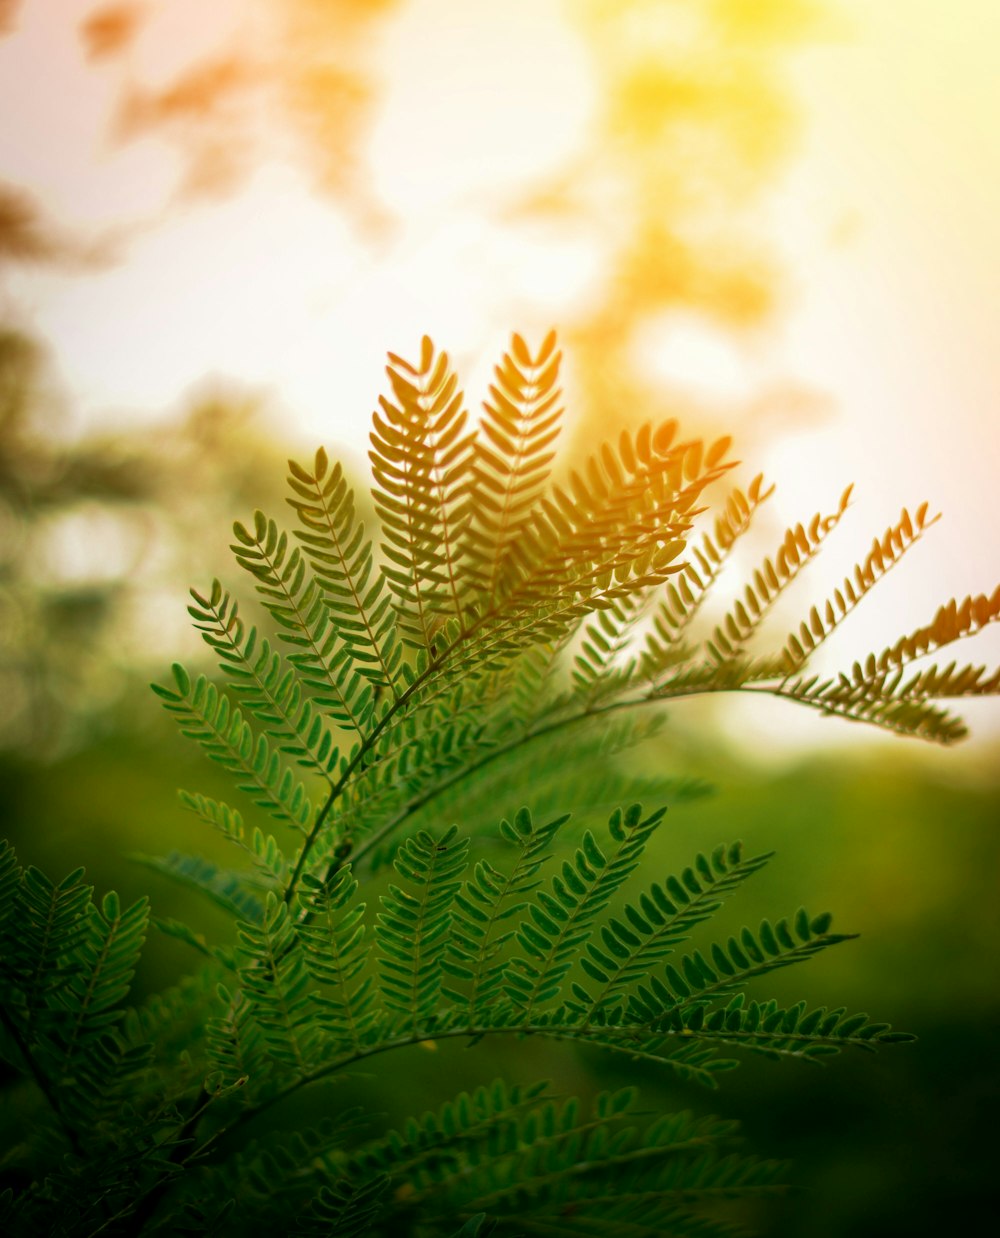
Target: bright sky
(886, 219)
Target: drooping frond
(262, 849)
(223, 888)
(874, 700)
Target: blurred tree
(94, 531)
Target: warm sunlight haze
(195, 222)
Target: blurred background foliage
(102, 530)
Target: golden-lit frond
(800, 545)
(685, 596)
(885, 553)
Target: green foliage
(508, 637)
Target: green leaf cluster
(488, 651)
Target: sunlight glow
(510, 158)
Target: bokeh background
(774, 218)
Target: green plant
(506, 632)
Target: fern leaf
(412, 928)
(801, 544)
(421, 465)
(885, 553)
(512, 457)
(272, 693)
(346, 1210)
(332, 932)
(356, 595)
(276, 983)
(952, 622)
(207, 715)
(101, 966)
(950, 681)
(488, 900)
(561, 919)
(50, 922)
(598, 667)
(695, 981)
(222, 888)
(331, 667)
(640, 940)
(236, 1044)
(873, 700)
(794, 1031)
(687, 593)
(262, 848)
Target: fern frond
(276, 983)
(207, 715)
(412, 928)
(949, 682)
(770, 579)
(637, 943)
(695, 982)
(560, 1172)
(874, 699)
(235, 1042)
(101, 966)
(885, 553)
(50, 921)
(272, 693)
(686, 595)
(356, 595)
(562, 918)
(422, 467)
(953, 621)
(438, 1143)
(295, 601)
(262, 848)
(185, 934)
(486, 902)
(346, 1210)
(598, 669)
(794, 1031)
(223, 888)
(332, 932)
(511, 459)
